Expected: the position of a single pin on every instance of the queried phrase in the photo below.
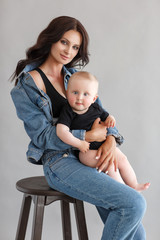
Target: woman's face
(66, 48)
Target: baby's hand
(110, 121)
(84, 146)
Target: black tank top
(57, 99)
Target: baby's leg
(89, 158)
(115, 174)
(124, 174)
(127, 173)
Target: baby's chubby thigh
(89, 158)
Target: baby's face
(81, 93)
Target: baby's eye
(85, 94)
(75, 92)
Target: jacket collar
(32, 66)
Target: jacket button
(65, 155)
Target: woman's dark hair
(52, 34)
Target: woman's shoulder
(37, 79)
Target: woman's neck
(52, 69)
(54, 73)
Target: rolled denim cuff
(118, 137)
(80, 134)
(114, 132)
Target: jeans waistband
(50, 153)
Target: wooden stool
(37, 189)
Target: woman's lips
(64, 57)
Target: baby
(79, 113)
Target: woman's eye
(76, 48)
(63, 42)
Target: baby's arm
(63, 132)
(110, 121)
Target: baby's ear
(94, 99)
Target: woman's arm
(97, 133)
(113, 131)
(63, 132)
(33, 109)
(106, 154)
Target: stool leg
(23, 218)
(38, 217)
(66, 220)
(80, 219)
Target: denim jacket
(33, 107)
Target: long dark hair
(52, 34)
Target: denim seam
(52, 154)
(90, 197)
(118, 225)
(76, 190)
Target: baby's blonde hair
(83, 75)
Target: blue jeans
(121, 208)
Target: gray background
(125, 57)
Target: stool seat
(37, 186)
(37, 190)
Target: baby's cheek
(71, 101)
(88, 103)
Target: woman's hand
(97, 133)
(106, 155)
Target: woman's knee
(139, 206)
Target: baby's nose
(80, 96)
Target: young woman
(39, 95)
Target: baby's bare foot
(141, 187)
